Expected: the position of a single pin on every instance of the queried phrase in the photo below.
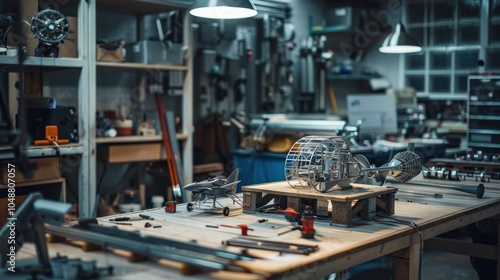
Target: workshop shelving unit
(136, 11)
(87, 89)
(79, 65)
(484, 114)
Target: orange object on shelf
(51, 135)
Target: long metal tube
(163, 251)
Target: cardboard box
(46, 168)
(29, 8)
(109, 56)
(69, 46)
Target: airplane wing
(233, 177)
(230, 185)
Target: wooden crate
(46, 168)
(52, 189)
(366, 200)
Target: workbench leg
(342, 213)
(250, 200)
(322, 207)
(406, 263)
(498, 247)
(388, 201)
(293, 202)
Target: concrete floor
(435, 266)
(446, 266)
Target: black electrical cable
(58, 155)
(417, 230)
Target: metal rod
(147, 246)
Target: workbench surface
(339, 247)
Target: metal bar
(271, 245)
(160, 108)
(175, 149)
(144, 245)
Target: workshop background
(146, 98)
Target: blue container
(258, 167)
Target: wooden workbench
(340, 247)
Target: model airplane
(214, 188)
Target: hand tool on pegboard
(167, 143)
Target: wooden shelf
(11, 62)
(134, 139)
(142, 6)
(140, 66)
(42, 151)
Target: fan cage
(50, 26)
(313, 159)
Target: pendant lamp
(400, 41)
(223, 9)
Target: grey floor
(435, 266)
(446, 266)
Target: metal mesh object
(315, 159)
(407, 165)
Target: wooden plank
(462, 247)
(358, 191)
(364, 197)
(134, 139)
(141, 66)
(46, 168)
(129, 152)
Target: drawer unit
(483, 133)
(120, 153)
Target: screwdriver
(292, 229)
(123, 219)
(146, 217)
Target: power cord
(58, 155)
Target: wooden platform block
(90, 247)
(52, 238)
(131, 256)
(363, 200)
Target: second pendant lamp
(223, 9)
(400, 41)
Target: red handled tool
(244, 228)
(170, 206)
(307, 219)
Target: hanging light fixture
(400, 41)
(223, 9)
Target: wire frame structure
(407, 166)
(314, 160)
(50, 26)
